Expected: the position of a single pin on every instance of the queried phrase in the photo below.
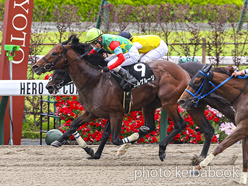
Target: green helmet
(93, 35)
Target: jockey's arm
(115, 46)
(94, 50)
(138, 45)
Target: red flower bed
(68, 108)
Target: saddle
(141, 71)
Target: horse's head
(59, 79)
(198, 87)
(56, 57)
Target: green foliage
(190, 2)
(25, 126)
(89, 9)
(83, 5)
(32, 135)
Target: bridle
(205, 88)
(61, 83)
(52, 65)
(49, 66)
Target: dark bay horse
(235, 91)
(101, 96)
(197, 115)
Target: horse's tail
(222, 105)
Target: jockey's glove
(105, 69)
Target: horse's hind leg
(116, 123)
(148, 113)
(149, 121)
(201, 121)
(179, 125)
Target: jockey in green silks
(123, 53)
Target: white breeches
(131, 57)
(156, 53)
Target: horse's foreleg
(201, 121)
(105, 136)
(243, 177)
(83, 144)
(208, 132)
(238, 133)
(84, 118)
(179, 125)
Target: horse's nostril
(180, 101)
(49, 87)
(34, 67)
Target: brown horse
(234, 90)
(61, 78)
(102, 97)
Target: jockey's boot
(127, 76)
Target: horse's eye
(54, 53)
(50, 79)
(197, 82)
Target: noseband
(61, 83)
(49, 66)
(205, 88)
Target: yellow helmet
(93, 35)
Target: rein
(241, 90)
(87, 80)
(197, 98)
(200, 96)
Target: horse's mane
(83, 48)
(224, 70)
(80, 48)
(96, 59)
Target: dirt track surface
(67, 165)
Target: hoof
(94, 158)
(194, 172)
(196, 160)
(162, 156)
(121, 152)
(236, 182)
(144, 129)
(56, 144)
(89, 151)
(123, 149)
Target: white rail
(31, 87)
